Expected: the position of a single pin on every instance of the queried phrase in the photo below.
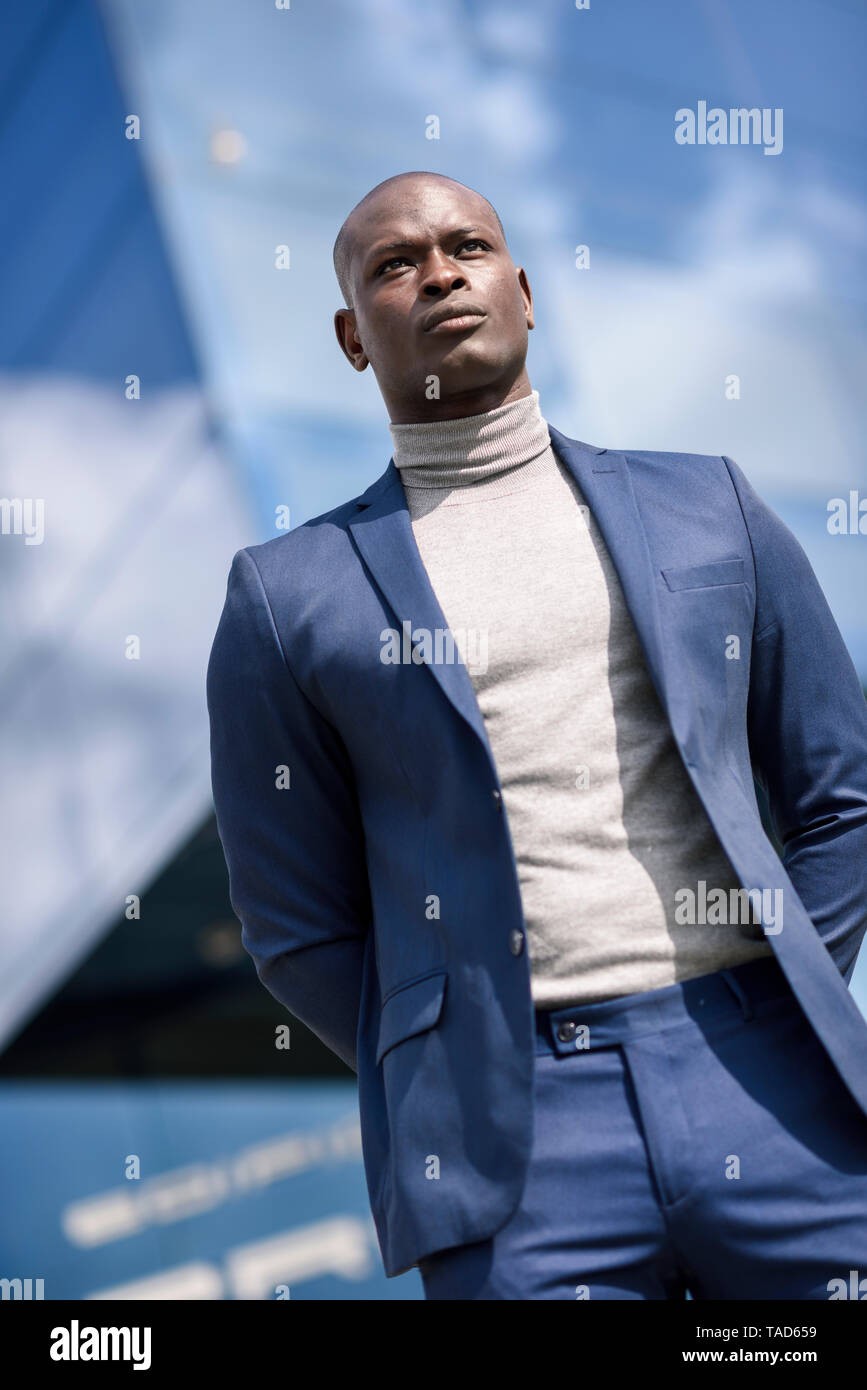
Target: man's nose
(441, 277)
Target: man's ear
(527, 296)
(347, 337)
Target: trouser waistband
(739, 989)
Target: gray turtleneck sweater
(605, 823)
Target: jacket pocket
(705, 576)
(410, 1009)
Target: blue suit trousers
(695, 1137)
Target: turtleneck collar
(487, 449)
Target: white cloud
(646, 346)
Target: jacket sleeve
(295, 853)
(807, 728)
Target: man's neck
(458, 405)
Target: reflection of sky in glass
(705, 261)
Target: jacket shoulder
(663, 458)
(703, 477)
(654, 460)
(316, 553)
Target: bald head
(390, 191)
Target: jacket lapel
(383, 533)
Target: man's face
(422, 249)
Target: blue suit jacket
(393, 795)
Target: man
(484, 742)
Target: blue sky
(706, 261)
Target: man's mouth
(454, 319)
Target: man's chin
(464, 367)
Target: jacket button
(497, 798)
(567, 1030)
(516, 942)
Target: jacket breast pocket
(708, 576)
(411, 1008)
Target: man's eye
(404, 260)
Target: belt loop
(737, 990)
